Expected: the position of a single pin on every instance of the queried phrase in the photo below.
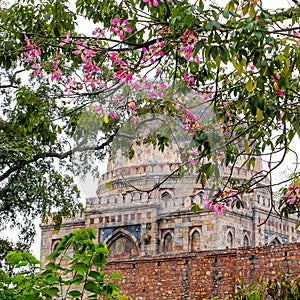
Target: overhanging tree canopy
(241, 60)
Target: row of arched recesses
(230, 243)
(196, 243)
(122, 243)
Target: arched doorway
(168, 243)
(229, 240)
(122, 245)
(195, 241)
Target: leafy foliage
(283, 288)
(74, 271)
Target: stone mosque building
(138, 213)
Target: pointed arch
(167, 199)
(166, 195)
(195, 240)
(246, 241)
(122, 244)
(275, 240)
(54, 244)
(229, 240)
(168, 243)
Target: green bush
(74, 271)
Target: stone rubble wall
(194, 276)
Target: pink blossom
(155, 50)
(99, 33)
(119, 27)
(55, 75)
(65, 41)
(114, 115)
(279, 92)
(293, 193)
(71, 84)
(114, 56)
(188, 78)
(189, 42)
(177, 107)
(152, 2)
(147, 85)
(251, 66)
(99, 110)
(123, 75)
(38, 70)
(191, 160)
(186, 52)
(216, 207)
(189, 37)
(131, 105)
(205, 96)
(32, 54)
(276, 76)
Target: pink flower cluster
(189, 40)
(65, 41)
(123, 70)
(188, 78)
(99, 33)
(227, 197)
(192, 157)
(217, 207)
(190, 121)
(55, 73)
(276, 78)
(90, 68)
(292, 194)
(155, 50)
(152, 2)
(120, 27)
(155, 89)
(72, 85)
(296, 35)
(33, 54)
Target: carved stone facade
(138, 213)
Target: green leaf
(95, 274)
(14, 258)
(252, 12)
(212, 25)
(80, 267)
(195, 208)
(246, 147)
(259, 114)
(92, 287)
(52, 291)
(51, 266)
(225, 14)
(18, 278)
(249, 85)
(74, 294)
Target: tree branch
(60, 156)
